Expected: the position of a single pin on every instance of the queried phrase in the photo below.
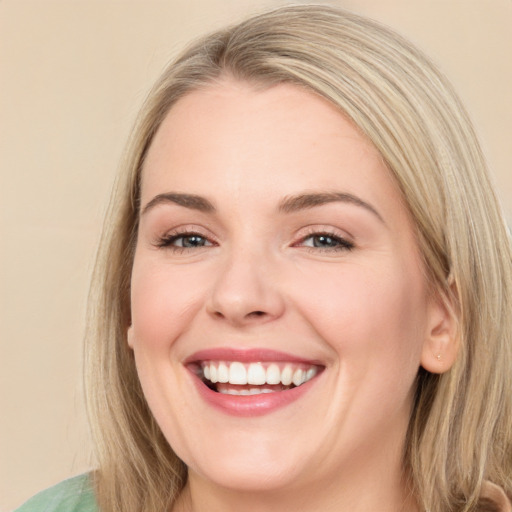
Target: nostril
(256, 313)
(252, 314)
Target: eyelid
(346, 240)
(318, 229)
(164, 241)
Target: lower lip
(251, 405)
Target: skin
(257, 280)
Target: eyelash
(168, 241)
(342, 243)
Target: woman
(302, 297)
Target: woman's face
(274, 249)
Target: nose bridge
(246, 289)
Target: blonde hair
(461, 424)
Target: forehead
(277, 138)
(238, 109)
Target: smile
(251, 382)
(238, 378)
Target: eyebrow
(191, 201)
(304, 201)
(289, 204)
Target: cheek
(163, 301)
(376, 316)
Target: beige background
(72, 75)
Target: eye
(182, 241)
(326, 242)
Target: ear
(129, 336)
(442, 340)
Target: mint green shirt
(73, 495)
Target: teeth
(223, 373)
(286, 375)
(297, 377)
(257, 374)
(251, 391)
(231, 392)
(273, 374)
(237, 373)
(310, 374)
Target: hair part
(461, 424)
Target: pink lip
(251, 405)
(245, 356)
(247, 405)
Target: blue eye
(326, 241)
(190, 241)
(184, 241)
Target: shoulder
(73, 495)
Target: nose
(246, 291)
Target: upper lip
(246, 356)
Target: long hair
(460, 431)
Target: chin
(245, 475)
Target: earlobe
(442, 340)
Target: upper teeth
(258, 373)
